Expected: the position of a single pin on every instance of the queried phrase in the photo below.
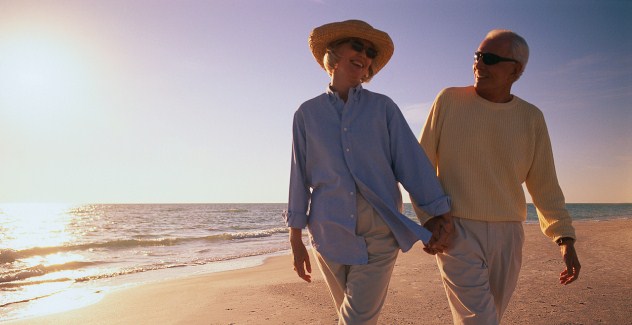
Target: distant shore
(272, 294)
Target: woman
(351, 147)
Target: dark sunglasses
(491, 59)
(358, 46)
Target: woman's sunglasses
(490, 59)
(358, 46)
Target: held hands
(442, 228)
(302, 266)
(571, 272)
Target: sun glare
(38, 67)
(36, 233)
(43, 72)
(34, 225)
(68, 299)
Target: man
(350, 149)
(485, 143)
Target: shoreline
(86, 294)
(272, 294)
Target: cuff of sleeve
(563, 240)
(295, 220)
(435, 208)
(569, 235)
(560, 230)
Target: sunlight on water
(52, 259)
(34, 225)
(66, 300)
(30, 237)
(31, 229)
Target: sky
(191, 101)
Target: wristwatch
(564, 240)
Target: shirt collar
(353, 93)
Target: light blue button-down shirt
(362, 145)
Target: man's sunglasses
(358, 46)
(491, 59)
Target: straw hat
(322, 36)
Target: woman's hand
(302, 265)
(442, 228)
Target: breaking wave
(9, 255)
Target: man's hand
(571, 273)
(442, 228)
(300, 254)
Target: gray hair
(332, 58)
(519, 46)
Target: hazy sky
(151, 101)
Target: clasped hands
(442, 228)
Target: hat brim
(322, 36)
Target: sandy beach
(272, 294)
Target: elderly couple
(352, 148)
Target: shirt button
(351, 193)
(345, 129)
(348, 149)
(351, 216)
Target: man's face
(496, 78)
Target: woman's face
(355, 60)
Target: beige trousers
(480, 270)
(359, 291)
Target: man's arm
(547, 196)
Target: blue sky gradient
(151, 101)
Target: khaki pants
(359, 291)
(480, 270)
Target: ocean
(64, 256)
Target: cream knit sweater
(485, 151)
